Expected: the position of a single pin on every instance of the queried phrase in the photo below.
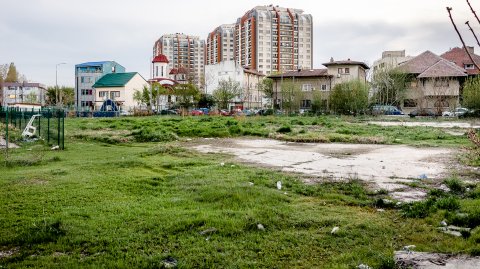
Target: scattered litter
(285, 193)
(279, 185)
(222, 164)
(189, 139)
(422, 176)
(380, 210)
(170, 262)
(454, 233)
(409, 248)
(335, 230)
(55, 147)
(208, 231)
(232, 165)
(364, 266)
(260, 227)
(250, 183)
(443, 223)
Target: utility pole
(57, 95)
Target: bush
(284, 129)
(349, 97)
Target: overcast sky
(38, 34)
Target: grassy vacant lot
(114, 198)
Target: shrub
(284, 129)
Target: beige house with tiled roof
(434, 85)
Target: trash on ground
(279, 185)
(335, 230)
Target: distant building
(220, 44)
(348, 70)
(390, 59)
(434, 83)
(183, 51)
(165, 77)
(86, 74)
(118, 87)
(274, 39)
(22, 93)
(459, 57)
(251, 96)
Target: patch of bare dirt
(425, 260)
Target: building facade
(86, 74)
(183, 51)
(119, 88)
(460, 57)
(249, 80)
(390, 59)
(220, 44)
(272, 39)
(23, 92)
(344, 71)
(434, 83)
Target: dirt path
(3, 144)
(387, 167)
(443, 124)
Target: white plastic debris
(443, 223)
(222, 164)
(260, 227)
(335, 230)
(232, 165)
(250, 183)
(279, 185)
(364, 266)
(55, 147)
(409, 248)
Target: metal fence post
(58, 129)
(48, 127)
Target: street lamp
(56, 83)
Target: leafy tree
(471, 93)
(319, 101)
(66, 96)
(292, 96)
(12, 74)
(206, 100)
(31, 98)
(349, 97)
(226, 91)
(266, 86)
(390, 86)
(186, 95)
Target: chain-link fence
(46, 124)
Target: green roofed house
(118, 87)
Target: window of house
(409, 103)
(114, 94)
(340, 70)
(469, 66)
(441, 103)
(306, 87)
(441, 83)
(87, 103)
(324, 87)
(86, 92)
(347, 70)
(306, 103)
(102, 93)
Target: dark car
(472, 114)
(422, 113)
(168, 112)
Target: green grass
(122, 203)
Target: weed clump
(284, 129)
(149, 134)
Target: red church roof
(160, 59)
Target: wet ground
(390, 167)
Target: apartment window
(347, 70)
(340, 70)
(87, 103)
(114, 94)
(324, 87)
(306, 87)
(102, 94)
(85, 79)
(86, 92)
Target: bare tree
(449, 10)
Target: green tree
(471, 93)
(292, 96)
(349, 97)
(266, 86)
(12, 74)
(66, 96)
(319, 102)
(226, 91)
(389, 86)
(187, 95)
(206, 100)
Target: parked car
(472, 114)
(196, 112)
(421, 112)
(457, 112)
(386, 110)
(224, 112)
(204, 110)
(168, 112)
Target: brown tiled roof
(250, 71)
(303, 73)
(460, 58)
(347, 62)
(428, 64)
(443, 68)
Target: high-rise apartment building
(183, 51)
(220, 44)
(274, 39)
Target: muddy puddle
(389, 167)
